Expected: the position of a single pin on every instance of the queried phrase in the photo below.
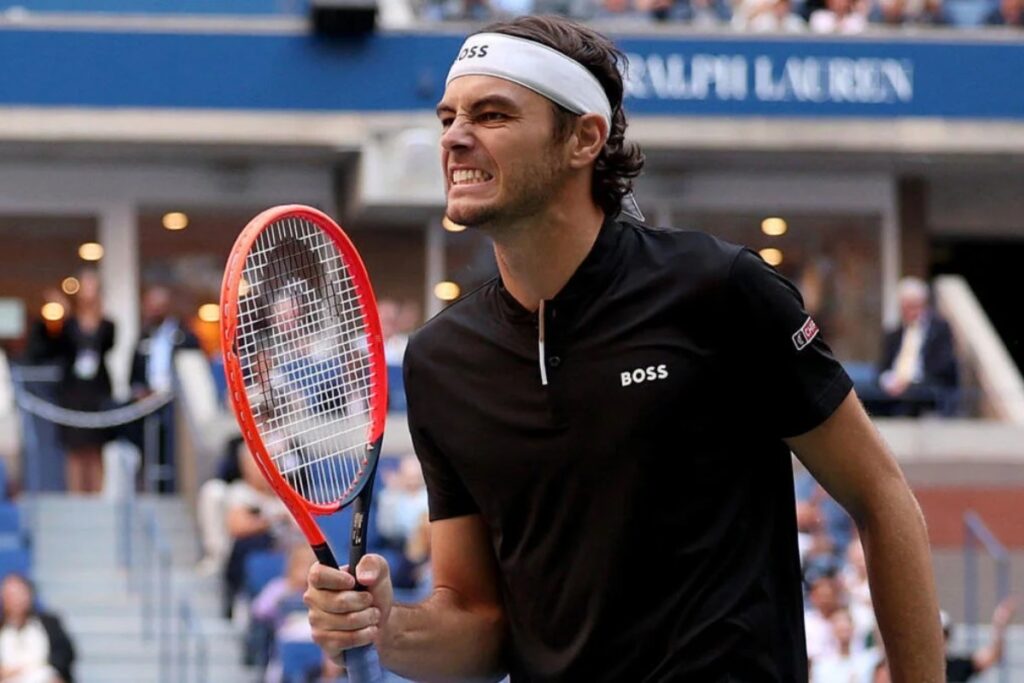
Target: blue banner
(239, 7)
(677, 76)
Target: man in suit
(163, 334)
(918, 370)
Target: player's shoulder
(686, 251)
(443, 330)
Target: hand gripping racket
(304, 359)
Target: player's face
(498, 153)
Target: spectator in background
(395, 340)
(1008, 13)
(825, 597)
(840, 16)
(833, 520)
(812, 539)
(854, 578)
(34, 648)
(412, 573)
(46, 340)
(211, 512)
(402, 502)
(279, 600)
(769, 16)
(845, 665)
(163, 334)
(618, 9)
(902, 12)
(256, 520)
(918, 370)
(85, 383)
(964, 668)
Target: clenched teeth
(469, 175)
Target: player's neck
(537, 260)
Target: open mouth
(469, 176)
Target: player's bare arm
(456, 634)
(849, 458)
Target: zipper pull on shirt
(540, 345)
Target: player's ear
(587, 140)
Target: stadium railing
(147, 559)
(977, 533)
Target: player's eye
(491, 117)
(446, 122)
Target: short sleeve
(447, 496)
(788, 369)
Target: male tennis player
(605, 428)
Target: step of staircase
(77, 554)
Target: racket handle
(363, 665)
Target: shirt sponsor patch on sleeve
(806, 334)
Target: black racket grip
(324, 556)
(360, 521)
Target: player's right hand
(343, 617)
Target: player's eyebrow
(500, 101)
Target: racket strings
(303, 346)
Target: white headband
(544, 70)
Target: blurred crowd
(775, 16)
(843, 644)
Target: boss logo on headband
(471, 52)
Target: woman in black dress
(86, 383)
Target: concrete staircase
(79, 576)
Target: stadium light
(209, 313)
(52, 311)
(447, 291)
(771, 256)
(774, 226)
(91, 251)
(175, 220)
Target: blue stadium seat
(15, 561)
(261, 567)
(396, 389)
(12, 534)
(298, 660)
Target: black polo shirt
(641, 504)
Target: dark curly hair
(620, 161)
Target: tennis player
(605, 428)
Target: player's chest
(612, 391)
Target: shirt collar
(598, 266)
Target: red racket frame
(302, 509)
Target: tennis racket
(304, 359)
